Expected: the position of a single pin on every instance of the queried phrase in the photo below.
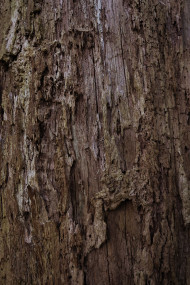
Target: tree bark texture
(94, 142)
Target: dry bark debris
(94, 142)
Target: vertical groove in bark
(94, 142)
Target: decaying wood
(94, 142)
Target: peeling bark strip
(94, 142)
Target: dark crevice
(109, 279)
(44, 73)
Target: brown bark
(94, 142)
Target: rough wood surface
(94, 142)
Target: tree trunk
(95, 142)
